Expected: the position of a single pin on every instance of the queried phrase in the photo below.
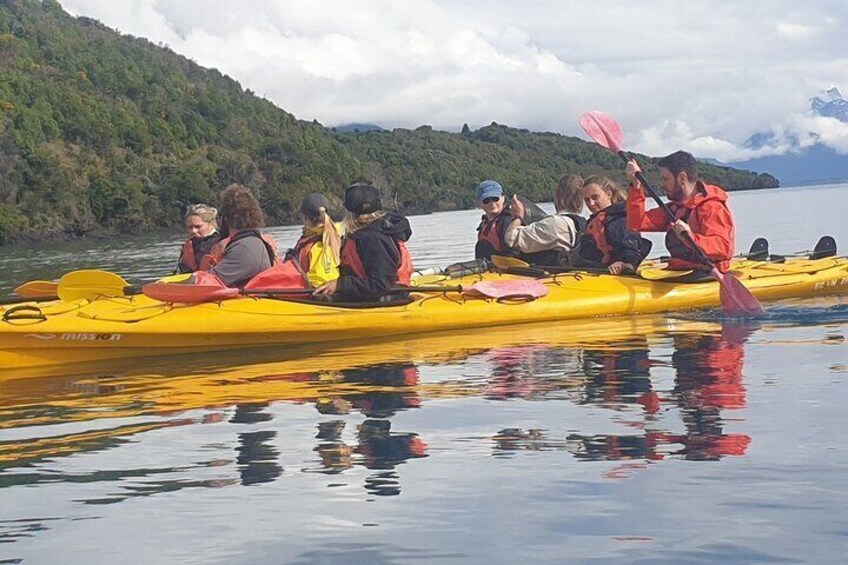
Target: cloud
(701, 75)
(794, 31)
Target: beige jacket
(553, 232)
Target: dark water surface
(682, 438)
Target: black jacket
(377, 247)
(627, 246)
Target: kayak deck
(58, 332)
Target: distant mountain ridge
(102, 133)
(814, 164)
(817, 164)
(356, 128)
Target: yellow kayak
(49, 333)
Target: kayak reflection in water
(709, 379)
(380, 403)
(257, 458)
(377, 448)
(531, 371)
(620, 374)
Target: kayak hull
(137, 326)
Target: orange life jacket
(302, 248)
(350, 259)
(282, 275)
(596, 229)
(490, 232)
(214, 256)
(187, 257)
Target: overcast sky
(701, 75)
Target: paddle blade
(736, 300)
(511, 289)
(90, 285)
(37, 289)
(504, 262)
(603, 129)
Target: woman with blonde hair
(318, 250)
(607, 241)
(201, 222)
(374, 257)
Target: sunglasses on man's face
(490, 199)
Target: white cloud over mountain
(703, 76)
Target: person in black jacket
(374, 257)
(607, 242)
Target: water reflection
(337, 412)
(257, 458)
(377, 448)
(620, 373)
(708, 381)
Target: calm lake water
(682, 438)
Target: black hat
(361, 198)
(312, 203)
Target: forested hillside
(101, 132)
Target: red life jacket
(490, 232)
(597, 231)
(282, 275)
(301, 250)
(214, 256)
(187, 257)
(350, 259)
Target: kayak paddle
(735, 298)
(91, 284)
(37, 289)
(505, 262)
(191, 293)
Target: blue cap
(488, 189)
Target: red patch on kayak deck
(508, 289)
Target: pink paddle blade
(603, 129)
(511, 289)
(736, 300)
(190, 293)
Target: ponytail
(330, 236)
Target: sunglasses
(490, 199)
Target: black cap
(361, 198)
(311, 204)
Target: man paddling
(701, 211)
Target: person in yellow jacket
(318, 249)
